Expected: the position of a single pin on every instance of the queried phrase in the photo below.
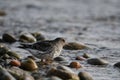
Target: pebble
(38, 36)
(85, 55)
(62, 74)
(20, 74)
(65, 68)
(8, 38)
(3, 49)
(5, 75)
(26, 37)
(55, 78)
(29, 65)
(85, 76)
(15, 63)
(59, 58)
(75, 65)
(5, 56)
(117, 65)
(2, 13)
(13, 54)
(74, 46)
(51, 78)
(80, 58)
(97, 61)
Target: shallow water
(93, 22)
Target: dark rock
(97, 61)
(117, 65)
(60, 58)
(8, 38)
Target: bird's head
(61, 40)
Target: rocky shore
(90, 28)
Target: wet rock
(63, 74)
(80, 58)
(15, 63)
(51, 78)
(19, 74)
(75, 65)
(8, 38)
(27, 38)
(85, 76)
(2, 13)
(74, 46)
(117, 65)
(1, 40)
(59, 58)
(55, 78)
(5, 75)
(29, 65)
(38, 36)
(3, 49)
(31, 57)
(13, 54)
(5, 56)
(65, 68)
(97, 61)
(85, 55)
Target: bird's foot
(46, 62)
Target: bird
(45, 50)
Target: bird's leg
(46, 61)
(49, 60)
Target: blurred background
(95, 23)
(87, 21)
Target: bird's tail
(25, 45)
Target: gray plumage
(48, 49)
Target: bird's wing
(38, 52)
(42, 46)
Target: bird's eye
(63, 40)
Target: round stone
(97, 61)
